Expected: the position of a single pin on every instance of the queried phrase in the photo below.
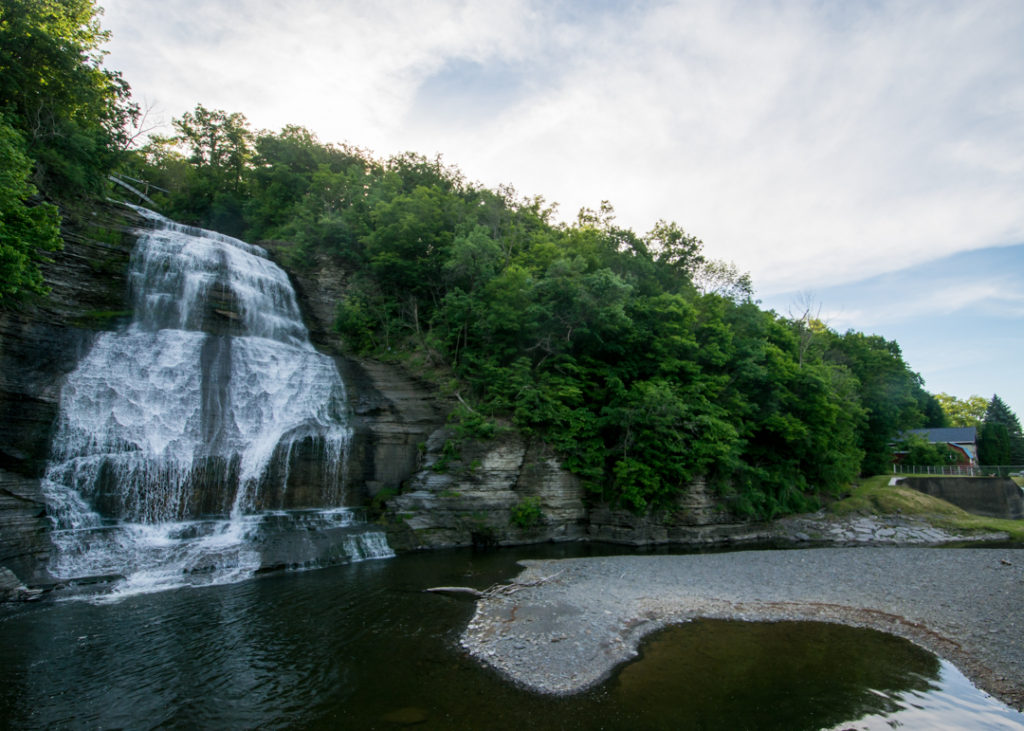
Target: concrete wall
(993, 497)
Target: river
(361, 646)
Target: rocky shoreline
(564, 625)
(872, 530)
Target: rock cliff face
(393, 413)
(695, 518)
(24, 528)
(472, 500)
(479, 500)
(41, 341)
(507, 490)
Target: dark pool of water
(362, 646)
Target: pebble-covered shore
(566, 624)
(874, 530)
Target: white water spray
(178, 433)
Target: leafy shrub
(921, 453)
(526, 513)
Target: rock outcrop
(695, 518)
(511, 490)
(41, 341)
(504, 491)
(24, 527)
(507, 490)
(393, 413)
(472, 500)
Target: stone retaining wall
(993, 497)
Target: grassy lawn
(873, 496)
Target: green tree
(723, 278)
(1000, 441)
(919, 452)
(473, 260)
(63, 122)
(966, 412)
(26, 230)
(220, 143)
(889, 392)
(219, 150)
(409, 244)
(72, 112)
(931, 409)
(995, 446)
(678, 254)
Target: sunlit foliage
(645, 363)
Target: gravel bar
(564, 625)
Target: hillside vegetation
(643, 360)
(64, 123)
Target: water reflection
(361, 646)
(776, 676)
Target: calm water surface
(361, 646)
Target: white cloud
(347, 70)
(931, 298)
(811, 143)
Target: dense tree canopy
(26, 231)
(642, 360)
(72, 112)
(645, 362)
(892, 395)
(63, 127)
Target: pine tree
(1000, 440)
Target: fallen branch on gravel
(495, 590)
(456, 590)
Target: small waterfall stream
(180, 435)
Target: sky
(866, 157)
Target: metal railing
(961, 470)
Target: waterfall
(178, 435)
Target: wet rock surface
(41, 341)
(393, 412)
(565, 624)
(24, 528)
(42, 338)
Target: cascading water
(178, 436)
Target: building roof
(952, 435)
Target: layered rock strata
(473, 500)
(509, 490)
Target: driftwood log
(491, 591)
(457, 590)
